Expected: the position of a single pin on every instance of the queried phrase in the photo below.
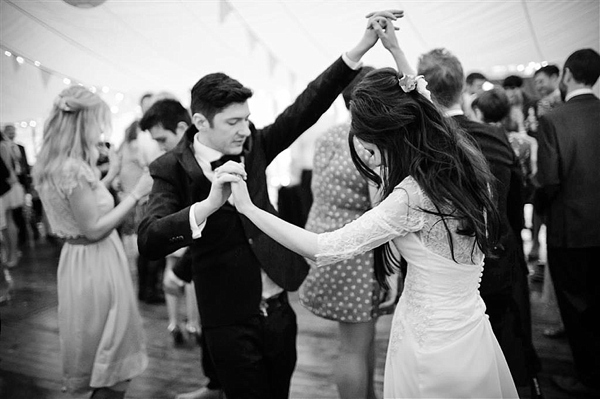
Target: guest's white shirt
(578, 92)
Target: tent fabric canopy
(131, 47)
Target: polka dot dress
(346, 291)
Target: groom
(241, 275)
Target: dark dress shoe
(555, 333)
(574, 386)
(177, 336)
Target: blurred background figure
(22, 214)
(132, 167)
(546, 81)
(191, 324)
(149, 272)
(474, 86)
(522, 105)
(6, 281)
(13, 201)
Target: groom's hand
(224, 175)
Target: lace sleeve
(75, 174)
(395, 216)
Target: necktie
(215, 164)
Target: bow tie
(215, 164)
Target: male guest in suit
(241, 275)
(23, 172)
(569, 175)
(504, 282)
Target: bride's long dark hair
(416, 139)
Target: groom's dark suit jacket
(228, 257)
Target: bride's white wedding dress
(441, 342)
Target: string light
(119, 96)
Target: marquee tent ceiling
(273, 46)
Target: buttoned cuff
(354, 65)
(195, 227)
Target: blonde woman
(100, 329)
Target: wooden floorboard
(29, 347)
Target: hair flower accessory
(410, 82)
(61, 103)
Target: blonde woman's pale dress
(441, 342)
(101, 337)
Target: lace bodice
(440, 296)
(55, 195)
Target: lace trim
(395, 216)
(435, 237)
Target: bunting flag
(272, 62)
(253, 40)
(16, 65)
(224, 10)
(45, 77)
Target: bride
(437, 212)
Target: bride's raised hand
(386, 32)
(389, 14)
(241, 197)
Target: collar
(453, 111)
(578, 92)
(203, 152)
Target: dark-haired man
(546, 80)
(504, 282)
(241, 275)
(569, 149)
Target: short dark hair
(512, 82)
(548, 70)
(493, 104)
(167, 113)
(444, 75)
(473, 76)
(584, 65)
(215, 92)
(347, 93)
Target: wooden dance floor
(30, 365)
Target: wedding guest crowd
(417, 211)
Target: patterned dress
(101, 336)
(346, 291)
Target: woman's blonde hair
(74, 127)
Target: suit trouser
(576, 276)
(256, 358)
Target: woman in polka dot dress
(346, 292)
